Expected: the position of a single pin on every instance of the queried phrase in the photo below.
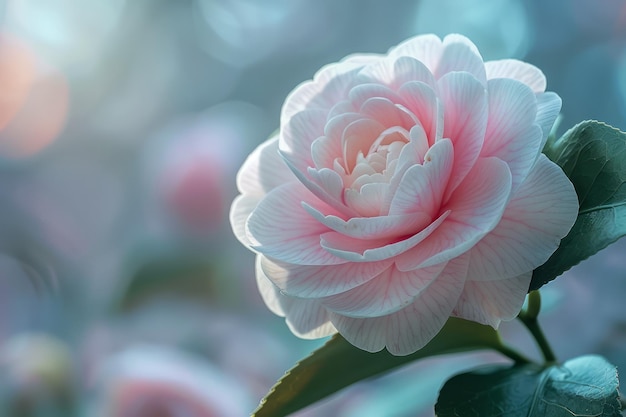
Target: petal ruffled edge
(517, 70)
(263, 170)
(539, 215)
(305, 318)
(410, 329)
(280, 228)
(475, 210)
(494, 301)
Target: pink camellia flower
(403, 189)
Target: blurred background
(122, 126)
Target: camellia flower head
(402, 189)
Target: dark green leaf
(338, 364)
(585, 386)
(593, 156)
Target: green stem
(529, 319)
(517, 357)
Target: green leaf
(171, 274)
(338, 364)
(593, 156)
(585, 386)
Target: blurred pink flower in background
(151, 381)
(404, 189)
(191, 165)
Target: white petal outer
(274, 300)
(424, 48)
(460, 54)
(280, 228)
(475, 209)
(511, 133)
(393, 72)
(240, 210)
(329, 86)
(539, 215)
(305, 318)
(263, 170)
(517, 70)
(386, 293)
(548, 108)
(494, 301)
(464, 100)
(309, 320)
(306, 281)
(422, 187)
(410, 329)
(298, 134)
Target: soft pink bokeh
(403, 189)
(150, 381)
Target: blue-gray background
(117, 169)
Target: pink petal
(363, 92)
(340, 108)
(305, 318)
(327, 148)
(465, 121)
(491, 302)
(539, 215)
(306, 281)
(424, 48)
(298, 134)
(319, 191)
(422, 101)
(368, 200)
(395, 72)
(511, 133)
(517, 70)
(387, 113)
(460, 54)
(410, 329)
(422, 187)
(412, 154)
(263, 170)
(387, 293)
(357, 137)
(383, 227)
(280, 228)
(370, 250)
(475, 209)
(329, 181)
